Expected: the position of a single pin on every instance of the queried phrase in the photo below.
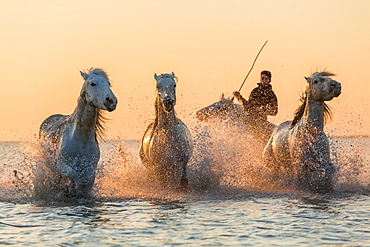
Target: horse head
(166, 89)
(217, 109)
(97, 91)
(323, 88)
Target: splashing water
(228, 157)
(351, 155)
(15, 179)
(226, 162)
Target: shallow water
(231, 201)
(264, 220)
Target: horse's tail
(51, 126)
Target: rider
(262, 102)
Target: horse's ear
(222, 96)
(174, 77)
(84, 75)
(308, 79)
(156, 77)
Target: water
(252, 220)
(231, 201)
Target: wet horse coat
(72, 139)
(167, 145)
(301, 146)
(224, 109)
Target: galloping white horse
(167, 145)
(226, 110)
(301, 146)
(73, 138)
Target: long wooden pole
(253, 65)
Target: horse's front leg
(184, 180)
(270, 161)
(267, 154)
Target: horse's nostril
(109, 99)
(168, 100)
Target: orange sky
(210, 45)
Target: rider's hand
(237, 94)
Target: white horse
(73, 138)
(224, 110)
(227, 111)
(167, 145)
(300, 146)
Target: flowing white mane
(322, 73)
(98, 71)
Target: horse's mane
(300, 110)
(100, 121)
(99, 71)
(322, 73)
(100, 125)
(101, 118)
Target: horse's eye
(93, 84)
(315, 81)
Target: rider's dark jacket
(262, 102)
